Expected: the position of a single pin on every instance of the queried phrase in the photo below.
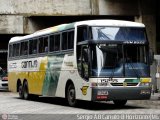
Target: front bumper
(121, 93)
(3, 84)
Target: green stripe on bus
(66, 26)
(52, 75)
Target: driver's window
(82, 33)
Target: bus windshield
(118, 33)
(115, 60)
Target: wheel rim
(20, 91)
(71, 96)
(25, 92)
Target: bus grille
(5, 85)
(122, 84)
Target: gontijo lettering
(29, 64)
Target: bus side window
(64, 41)
(10, 50)
(33, 46)
(67, 40)
(17, 49)
(54, 43)
(57, 43)
(43, 44)
(52, 40)
(14, 50)
(40, 45)
(82, 33)
(70, 40)
(24, 48)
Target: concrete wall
(148, 14)
(45, 7)
(15, 13)
(118, 7)
(30, 26)
(10, 24)
(150, 23)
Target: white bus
(95, 60)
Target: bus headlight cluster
(145, 81)
(144, 84)
(144, 92)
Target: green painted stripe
(65, 26)
(52, 75)
(132, 80)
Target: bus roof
(43, 32)
(118, 23)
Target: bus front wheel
(120, 103)
(71, 95)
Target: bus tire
(120, 103)
(71, 95)
(20, 91)
(26, 91)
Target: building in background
(21, 17)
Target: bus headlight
(145, 81)
(144, 84)
(144, 92)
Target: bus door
(84, 63)
(84, 72)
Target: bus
(92, 60)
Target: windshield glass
(136, 61)
(118, 33)
(113, 60)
